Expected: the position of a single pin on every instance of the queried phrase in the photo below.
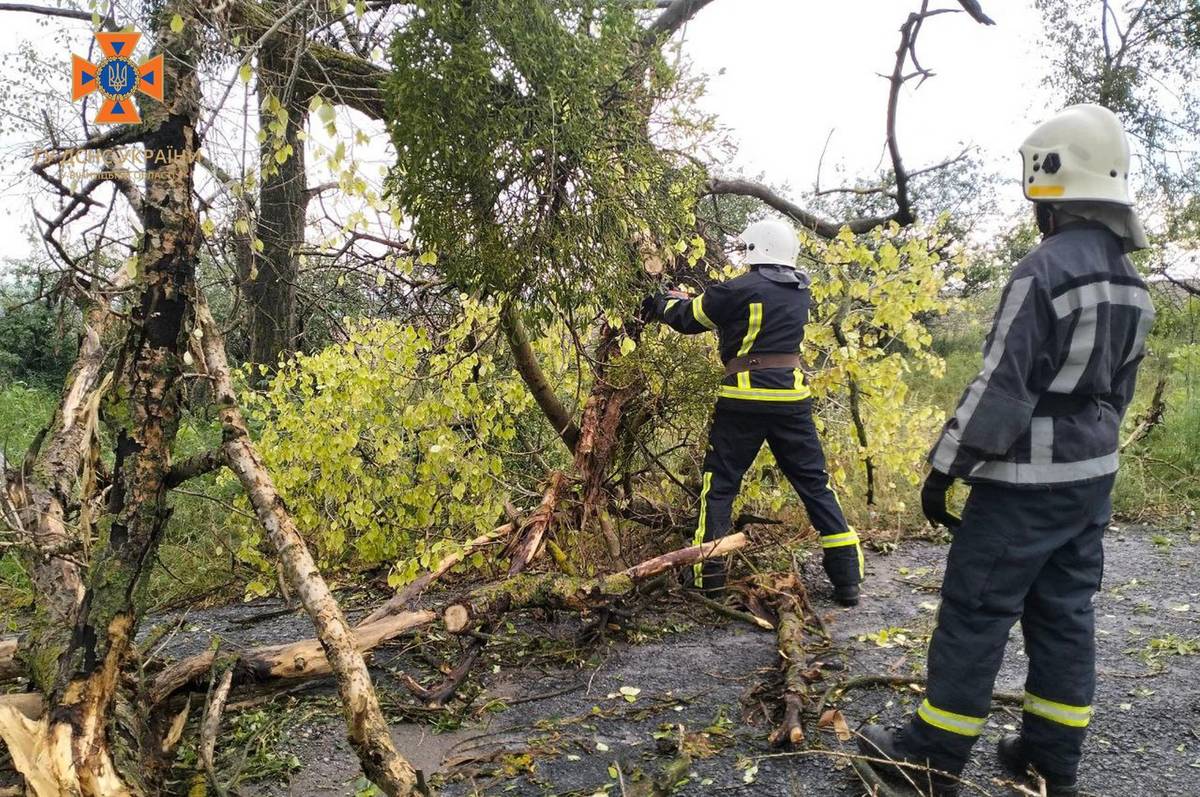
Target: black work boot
(845, 573)
(712, 577)
(845, 594)
(1011, 752)
(876, 742)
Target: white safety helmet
(771, 241)
(1081, 154)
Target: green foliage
(389, 447)
(24, 411)
(523, 148)
(872, 303)
(256, 745)
(37, 341)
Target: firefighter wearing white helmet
(771, 242)
(759, 318)
(1036, 437)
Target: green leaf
(245, 72)
(177, 24)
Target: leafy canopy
(524, 151)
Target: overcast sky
(783, 75)
(795, 71)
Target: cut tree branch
(296, 660)
(402, 599)
(524, 590)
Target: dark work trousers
(1034, 555)
(733, 442)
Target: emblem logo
(117, 78)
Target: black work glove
(649, 311)
(933, 500)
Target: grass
(24, 411)
(1160, 475)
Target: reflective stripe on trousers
(842, 540)
(951, 722)
(1063, 714)
(698, 538)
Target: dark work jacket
(761, 312)
(1059, 368)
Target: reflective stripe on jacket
(760, 312)
(1059, 368)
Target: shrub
(388, 447)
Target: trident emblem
(117, 78)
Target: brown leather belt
(761, 362)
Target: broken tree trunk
(527, 545)
(594, 445)
(45, 493)
(602, 417)
(552, 589)
(366, 728)
(93, 740)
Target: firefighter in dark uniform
(1036, 437)
(759, 318)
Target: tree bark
(83, 745)
(795, 685)
(282, 209)
(344, 79)
(539, 386)
(293, 661)
(552, 589)
(44, 495)
(367, 730)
